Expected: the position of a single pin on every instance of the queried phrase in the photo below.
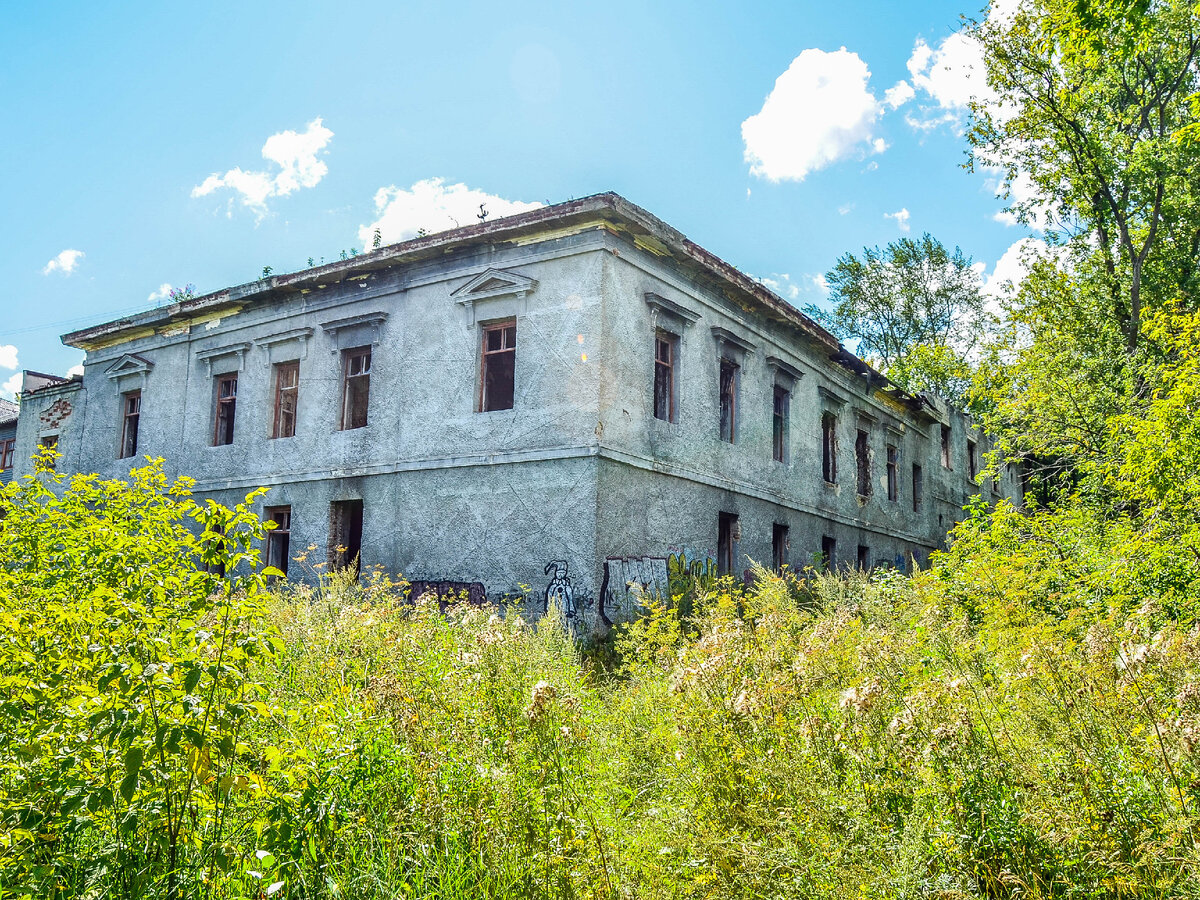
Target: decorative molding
(366, 329)
(727, 341)
(495, 284)
(272, 343)
(829, 397)
(129, 364)
(784, 370)
(662, 306)
(238, 350)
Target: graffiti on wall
(559, 590)
(448, 592)
(627, 581)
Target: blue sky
(168, 143)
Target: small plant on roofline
(178, 295)
(267, 270)
(377, 240)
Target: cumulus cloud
(163, 292)
(65, 262)
(819, 111)
(432, 205)
(792, 289)
(296, 156)
(898, 94)
(8, 356)
(901, 216)
(10, 387)
(76, 369)
(1010, 270)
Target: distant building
(563, 399)
(8, 440)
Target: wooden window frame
(278, 427)
(727, 528)
(781, 404)
(507, 330)
(829, 442)
(862, 462)
(281, 533)
(221, 404)
(893, 473)
(666, 354)
(8, 449)
(128, 447)
(345, 420)
(727, 398)
(780, 543)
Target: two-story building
(561, 399)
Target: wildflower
(1131, 655)
(540, 698)
(860, 698)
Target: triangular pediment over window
(494, 283)
(129, 364)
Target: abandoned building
(563, 399)
(8, 440)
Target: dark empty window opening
(864, 557)
(779, 423)
(729, 385)
(356, 387)
(946, 446)
(498, 368)
(287, 393)
(131, 409)
(666, 346)
(779, 546)
(829, 447)
(726, 541)
(893, 473)
(279, 538)
(226, 409)
(828, 553)
(345, 534)
(8, 449)
(972, 461)
(862, 460)
(918, 487)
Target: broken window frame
(278, 539)
(131, 413)
(356, 381)
(224, 409)
(828, 552)
(727, 526)
(862, 462)
(829, 422)
(781, 403)
(666, 353)
(727, 387)
(972, 461)
(946, 460)
(864, 558)
(8, 449)
(893, 473)
(780, 542)
(918, 487)
(345, 523)
(287, 399)
(498, 366)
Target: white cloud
(781, 283)
(9, 388)
(65, 262)
(76, 369)
(898, 94)
(299, 166)
(819, 111)
(901, 216)
(819, 282)
(1011, 268)
(433, 205)
(163, 292)
(843, 210)
(8, 356)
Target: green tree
(1095, 106)
(914, 308)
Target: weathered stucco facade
(577, 488)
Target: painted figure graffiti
(559, 589)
